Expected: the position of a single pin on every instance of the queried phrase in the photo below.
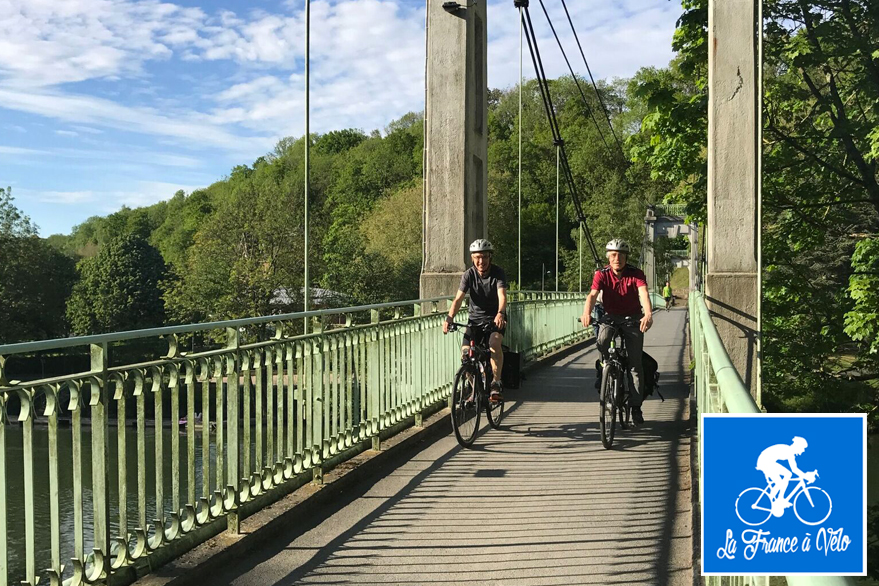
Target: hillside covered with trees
(235, 248)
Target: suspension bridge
(176, 467)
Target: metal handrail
(74, 341)
(735, 394)
(286, 409)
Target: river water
(41, 509)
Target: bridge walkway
(539, 502)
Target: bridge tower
(455, 142)
(734, 150)
(666, 221)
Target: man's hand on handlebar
(446, 323)
(646, 322)
(586, 320)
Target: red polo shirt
(620, 293)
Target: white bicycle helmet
(481, 245)
(618, 245)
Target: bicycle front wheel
(815, 508)
(607, 417)
(464, 405)
(494, 412)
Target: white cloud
(144, 193)
(191, 128)
(67, 197)
(367, 62)
(66, 133)
(88, 130)
(11, 150)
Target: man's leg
(497, 354)
(602, 342)
(783, 482)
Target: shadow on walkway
(538, 502)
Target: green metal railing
(719, 389)
(275, 414)
(673, 209)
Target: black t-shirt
(483, 291)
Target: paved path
(537, 502)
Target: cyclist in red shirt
(624, 289)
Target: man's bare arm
(647, 307)
(453, 310)
(586, 318)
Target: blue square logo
(784, 494)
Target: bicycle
(614, 390)
(469, 393)
(813, 494)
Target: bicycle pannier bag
(510, 375)
(649, 366)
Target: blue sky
(105, 103)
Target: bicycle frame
(801, 485)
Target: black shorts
(477, 332)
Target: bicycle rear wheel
(494, 412)
(464, 405)
(607, 416)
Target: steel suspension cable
(576, 79)
(543, 85)
(594, 85)
(306, 286)
(521, 27)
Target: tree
(246, 251)
(819, 185)
(862, 322)
(35, 279)
(118, 289)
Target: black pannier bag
(651, 374)
(510, 376)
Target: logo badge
(784, 494)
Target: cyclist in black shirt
(487, 286)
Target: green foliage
(392, 234)
(364, 176)
(35, 279)
(613, 192)
(662, 257)
(118, 289)
(862, 323)
(235, 248)
(819, 188)
(247, 249)
(873, 542)
(674, 135)
(821, 87)
(12, 221)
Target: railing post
(319, 403)
(233, 476)
(99, 403)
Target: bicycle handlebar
(604, 320)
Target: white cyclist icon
(811, 504)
